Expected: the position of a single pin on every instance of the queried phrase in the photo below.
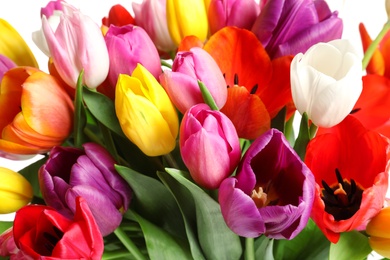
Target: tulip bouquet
(167, 133)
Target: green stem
(250, 248)
(166, 64)
(133, 249)
(78, 118)
(373, 46)
(109, 141)
(171, 161)
(116, 255)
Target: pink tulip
(77, 44)
(222, 13)
(181, 83)
(151, 16)
(127, 46)
(209, 145)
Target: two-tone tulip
(145, 112)
(223, 13)
(54, 236)
(209, 145)
(186, 18)
(35, 113)
(188, 68)
(151, 15)
(77, 45)
(15, 191)
(288, 27)
(14, 47)
(379, 231)
(128, 46)
(345, 199)
(5, 65)
(326, 81)
(272, 192)
(90, 173)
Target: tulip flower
(272, 192)
(118, 16)
(127, 46)
(251, 101)
(90, 173)
(288, 27)
(76, 45)
(51, 8)
(326, 81)
(5, 65)
(35, 113)
(350, 167)
(187, 18)
(222, 13)
(209, 145)
(379, 231)
(181, 83)
(14, 47)
(145, 112)
(40, 232)
(15, 191)
(151, 16)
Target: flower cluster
(169, 134)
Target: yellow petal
(379, 226)
(380, 245)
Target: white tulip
(326, 81)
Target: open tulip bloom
(166, 130)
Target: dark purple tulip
(288, 27)
(70, 172)
(272, 193)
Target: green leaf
(278, 122)
(4, 225)
(352, 245)
(263, 248)
(216, 239)
(31, 174)
(207, 97)
(309, 244)
(79, 113)
(103, 109)
(159, 243)
(153, 201)
(303, 137)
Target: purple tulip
(127, 46)
(181, 83)
(223, 13)
(5, 65)
(70, 172)
(272, 193)
(209, 145)
(288, 27)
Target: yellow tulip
(14, 47)
(145, 112)
(379, 230)
(186, 18)
(15, 191)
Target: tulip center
(236, 83)
(264, 196)
(342, 200)
(51, 240)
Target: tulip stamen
(264, 197)
(353, 111)
(254, 89)
(51, 240)
(342, 199)
(235, 79)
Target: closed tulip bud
(90, 173)
(379, 231)
(145, 112)
(326, 81)
(14, 47)
(35, 113)
(209, 145)
(76, 45)
(15, 191)
(187, 18)
(222, 13)
(151, 16)
(127, 46)
(181, 83)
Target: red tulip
(349, 163)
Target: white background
(24, 16)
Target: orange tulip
(35, 112)
(245, 63)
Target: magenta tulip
(288, 27)
(209, 145)
(127, 46)
(181, 83)
(70, 172)
(272, 192)
(222, 13)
